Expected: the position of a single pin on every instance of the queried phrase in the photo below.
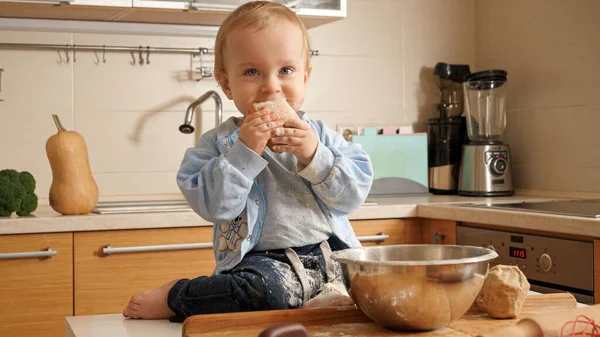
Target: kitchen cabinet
(97, 272)
(112, 266)
(105, 280)
(181, 12)
(36, 284)
(438, 231)
(336, 8)
(398, 231)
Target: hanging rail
(105, 48)
(202, 71)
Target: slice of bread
(280, 107)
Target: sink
(150, 206)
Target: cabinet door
(333, 8)
(112, 266)
(387, 231)
(112, 3)
(439, 231)
(36, 284)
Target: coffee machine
(486, 162)
(446, 131)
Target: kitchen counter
(115, 325)
(47, 220)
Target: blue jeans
(263, 280)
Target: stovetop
(580, 208)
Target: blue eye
(251, 72)
(286, 71)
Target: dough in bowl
(406, 302)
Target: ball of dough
(503, 292)
(407, 302)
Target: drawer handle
(380, 237)
(437, 237)
(28, 255)
(108, 250)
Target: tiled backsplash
(374, 66)
(550, 49)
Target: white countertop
(116, 325)
(46, 220)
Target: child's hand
(257, 128)
(298, 138)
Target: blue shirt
(227, 183)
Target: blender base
(485, 171)
(486, 194)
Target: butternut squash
(73, 190)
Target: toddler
(278, 211)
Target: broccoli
(17, 193)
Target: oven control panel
(562, 262)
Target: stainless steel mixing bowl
(414, 287)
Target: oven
(550, 264)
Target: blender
(447, 131)
(485, 169)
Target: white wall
(374, 67)
(551, 50)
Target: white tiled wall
(551, 50)
(374, 67)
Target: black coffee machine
(447, 130)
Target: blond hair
(259, 15)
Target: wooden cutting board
(351, 322)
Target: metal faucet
(187, 127)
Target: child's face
(264, 65)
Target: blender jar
(485, 96)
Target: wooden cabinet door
(136, 260)
(36, 293)
(439, 231)
(398, 231)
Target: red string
(582, 322)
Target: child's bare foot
(151, 304)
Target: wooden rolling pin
(550, 324)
